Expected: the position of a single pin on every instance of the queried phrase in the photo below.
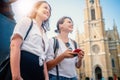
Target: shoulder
(25, 21)
(22, 27)
(26, 18)
(53, 40)
(73, 40)
(75, 43)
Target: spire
(115, 30)
(77, 35)
(114, 25)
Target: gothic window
(113, 63)
(94, 36)
(109, 39)
(92, 14)
(92, 1)
(98, 73)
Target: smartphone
(76, 51)
(74, 55)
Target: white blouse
(66, 67)
(35, 42)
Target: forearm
(15, 60)
(79, 63)
(15, 57)
(51, 64)
(46, 72)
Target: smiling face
(43, 11)
(67, 25)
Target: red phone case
(77, 50)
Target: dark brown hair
(61, 21)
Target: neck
(39, 22)
(64, 37)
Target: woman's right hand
(68, 53)
(17, 78)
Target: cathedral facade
(101, 47)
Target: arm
(15, 57)
(79, 63)
(80, 57)
(52, 63)
(46, 72)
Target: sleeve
(50, 53)
(22, 27)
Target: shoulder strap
(28, 30)
(75, 44)
(55, 47)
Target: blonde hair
(33, 13)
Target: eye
(46, 7)
(69, 22)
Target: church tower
(97, 62)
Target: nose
(48, 12)
(71, 25)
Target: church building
(101, 47)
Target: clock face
(95, 48)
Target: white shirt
(34, 41)
(66, 67)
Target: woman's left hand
(81, 55)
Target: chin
(71, 30)
(45, 18)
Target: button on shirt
(35, 42)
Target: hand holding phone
(76, 51)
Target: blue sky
(73, 9)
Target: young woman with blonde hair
(27, 55)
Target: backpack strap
(56, 47)
(75, 43)
(28, 30)
(30, 27)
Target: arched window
(109, 39)
(92, 1)
(98, 73)
(92, 14)
(113, 63)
